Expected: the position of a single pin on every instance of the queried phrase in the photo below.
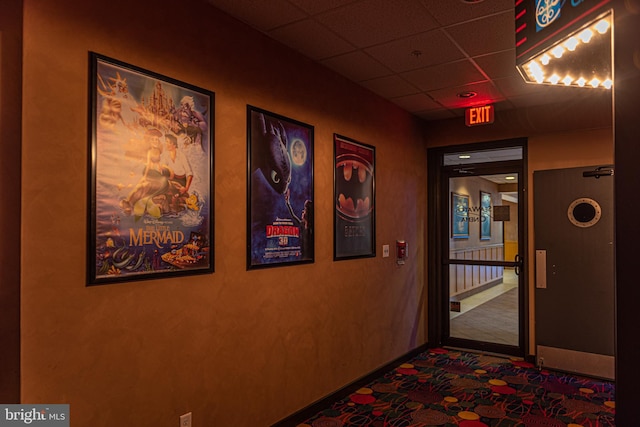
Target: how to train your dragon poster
(151, 212)
(280, 228)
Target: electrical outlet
(385, 251)
(185, 420)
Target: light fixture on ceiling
(582, 59)
(510, 178)
(466, 94)
(464, 156)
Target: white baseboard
(595, 365)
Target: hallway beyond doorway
(490, 315)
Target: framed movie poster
(354, 199)
(151, 173)
(459, 216)
(485, 216)
(280, 225)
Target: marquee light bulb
(567, 80)
(572, 43)
(602, 26)
(554, 79)
(585, 35)
(557, 51)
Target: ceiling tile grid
(419, 54)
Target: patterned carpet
(452, 388)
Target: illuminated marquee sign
(541, 23)
(479, 115)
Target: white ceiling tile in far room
(444, 75)
(357, 66)
(370, 22)
(311, 39)
(262, 15)
(492, 34)
(450, 12)
(390, 87)
(417, 51)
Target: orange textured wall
(237, 348)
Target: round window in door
(584, 212)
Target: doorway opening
(477, 248)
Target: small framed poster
(280, 222)
(485, 215)
(354, 215)
(459, 216)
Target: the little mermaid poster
(151, 145)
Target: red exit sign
(479, 115)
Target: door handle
(519, 263)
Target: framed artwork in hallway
(151, 175)
(354, 215)
(280, 199)
(485, 215)
(459, 216)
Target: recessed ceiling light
(509, 178)
(467, 94)
(464, 156)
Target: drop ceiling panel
(416, 103)
(486, 94)
(516, 86)
(259, 14)
(492, 34)
(391, 87)
(421, 50)
(456, 11)
(357, 66)
(323, 43)
(314, 6)
(436, 114)
(444, 75)
(370, 22)
(499, 65)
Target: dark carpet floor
(452, 388)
